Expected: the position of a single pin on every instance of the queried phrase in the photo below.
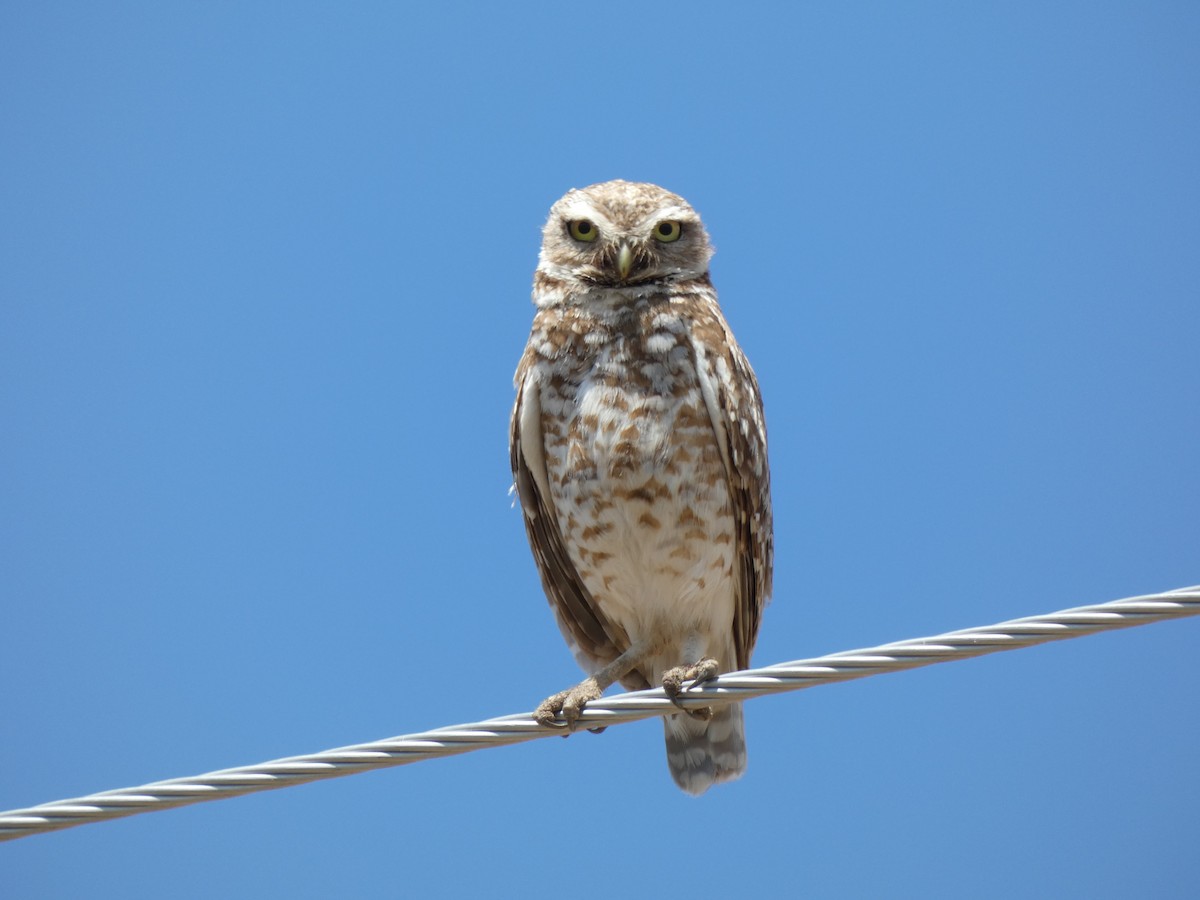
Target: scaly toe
(562, 710)
(699, 672)
(547, 711)
(672, 681)
(705, 670)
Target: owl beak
(624, 261)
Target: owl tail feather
(703, 753)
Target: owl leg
(570, 703)
(702, 670)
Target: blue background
(264, 279)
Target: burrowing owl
(639, 454)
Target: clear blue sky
(264, 279)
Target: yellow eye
(667, 231)
(583, 230)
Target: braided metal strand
(514, 729)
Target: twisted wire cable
(629, 707)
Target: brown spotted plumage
(639, 454)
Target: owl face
(621, 234)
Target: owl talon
(568, 704)
(702, 670)
(698, 673)
(547, 712)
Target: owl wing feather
(735, 407)
(593, 640)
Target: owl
(639, 456)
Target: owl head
(623, 234)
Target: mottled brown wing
(735, 406)
(593, 640)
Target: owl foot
(702, 670)
(569, 704)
